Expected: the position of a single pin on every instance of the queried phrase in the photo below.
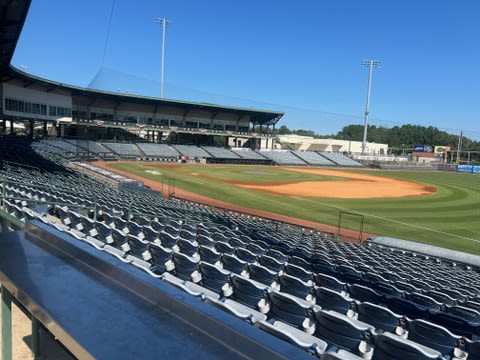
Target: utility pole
(163, 24)
(370, 64)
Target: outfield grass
(450, 217)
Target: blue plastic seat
(333, 300)
(329, 282)
(256, 249)
(89, 226)
(441, 297)
(187, 235)
(291, 310)
(405, 286)
(324, 266)
(160, 256)
(464, 312)
(300, 262)
(262, 274)
(364, 293)
(104, 232)
(343, 332)
(213, 278)
(298, 272)
(205, 240)
(135, 229)
(167, 239)
(185, 266)
(295, 286)
(372, 278)
(391, 276)
(208, 255)
(233, 264)
(172, 228)
(270, 263)
(387, 289)
(237, 243)
(120, 224)
(157, 225)
(187, 247)
(349, 274)
(224, 247)
(433, 336)
(149, 234)
(250, 293)
(140, 220)
(473, 349)
(406, 307)
(380, 317)
(392, 347)
(118, 239)
(219, 236)
(138, 247)
(277, 255)
(424, 300)
(421, 284)
(245, 255)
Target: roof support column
(31, 127)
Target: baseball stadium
(144, 227)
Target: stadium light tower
(370, 64)
(163, 24)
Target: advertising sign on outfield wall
(422, 148)
(468, 169)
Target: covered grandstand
(129, 272)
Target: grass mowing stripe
(398, 222)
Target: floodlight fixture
(163, 24)
(370, 64)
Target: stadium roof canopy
(12, 17)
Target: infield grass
(450, 217)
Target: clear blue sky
(300, 57)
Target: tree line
(397, 137)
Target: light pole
(370, 64)
(163, 24)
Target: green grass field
(449, 218)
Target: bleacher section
(191, 151)
(248, 154)
(85, 149)
(94, 148)
(124, 150)
(340, 159)
(313, 158)
(282, 157)
(335, 300)
(220, 153)
(158, 151)
(60, 146)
